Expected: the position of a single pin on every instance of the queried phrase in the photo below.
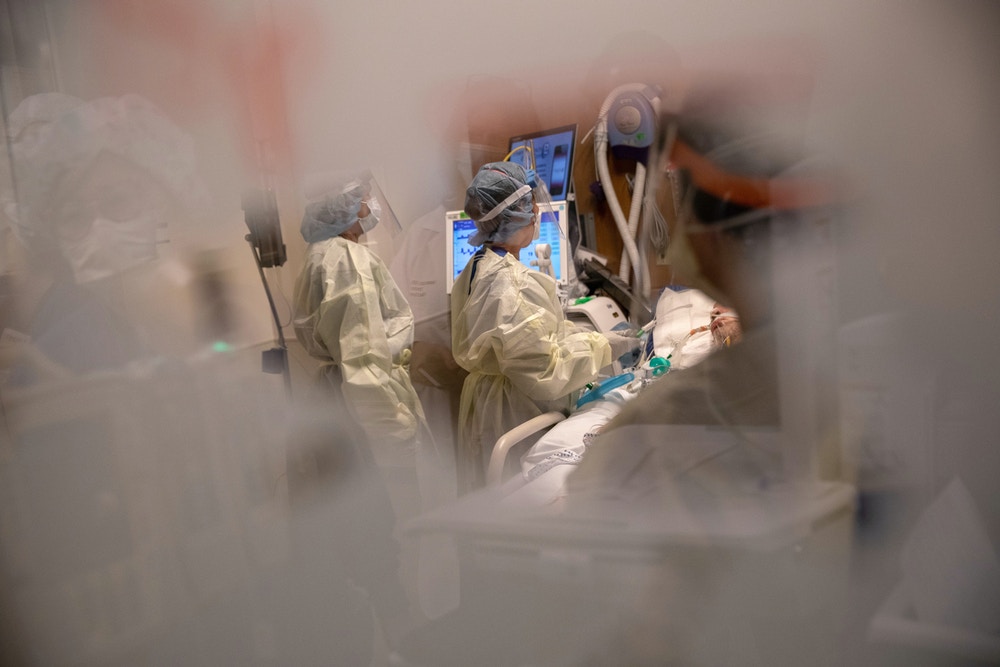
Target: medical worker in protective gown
(508, 328)
(350, 315)
(99, 185)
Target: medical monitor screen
(552, 232)
(553, 151)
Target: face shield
(541, 197)
(381, 227)
(525, 156)
(351, 197)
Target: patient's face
(725, 326)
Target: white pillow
(677, 314)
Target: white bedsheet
(565, 443)
(679, 314)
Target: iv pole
(261, 213)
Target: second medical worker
(350, 315)
(508, 328)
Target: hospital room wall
(274, 91)
(284, 89)
(453, 73)
(360, 83)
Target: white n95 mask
(374, 215)
(368, 223)
(112, 246)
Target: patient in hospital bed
(689, 326)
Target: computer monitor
(554, 152)
(552, 230)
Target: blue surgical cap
(332, 215)
(497, 185)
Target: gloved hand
(622, 345)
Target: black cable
(274, 314)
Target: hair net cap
(333, 214)
(492, 186)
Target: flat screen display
(554, 153)
(552, 231)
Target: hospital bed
(680, 335)
(751, 579)
(742, 578)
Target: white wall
(380, 94)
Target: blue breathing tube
(604, 387)
(654, 368)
